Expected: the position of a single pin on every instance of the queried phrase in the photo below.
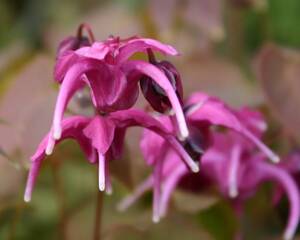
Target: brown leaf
(278, 70)
(27, 107)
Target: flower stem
(98, 222)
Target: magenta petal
(150, 145)
(100, 131)
(158, 76)
(63, 63)
(233, 171)
(217, 112)
(97, 51)
(72, 128)
(169, 186)
(142, 44)
(287, 183)
(71, 83)
(110, 89)
(133, 117)
(34, 170)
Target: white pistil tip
(57, 134)
(195, 168)
(155, 219)
(27, 198)
(233, 192)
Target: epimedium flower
(101, 139)
(232, 164)
(203, 113)
(107, 69)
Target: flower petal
(142, 44)
(134, 117)
(216, 112)
(72, 128)
(158, 76)
(71, 83)
(100, 131)
(286, 181)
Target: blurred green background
(221, 44)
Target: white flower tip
(101, 186)
(27, 198)
(155, 219)
(233, 192)
(288, 235)
(195, 168)
(49, 150)
(109, 191)
(275, 158)
(57, 133)
(184, 132)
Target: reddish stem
(98, 222)
(85, 26)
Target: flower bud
(197, 142)
(154, 94)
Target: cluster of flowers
(178, 140)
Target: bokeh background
(244, 51)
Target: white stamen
(155, 218)
(101, 172)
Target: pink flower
(101, 139)
(106, 68)
(202, 112)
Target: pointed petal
(142, 44)
(217, 112)
(34, 170)
(157, 185)
(71, 83)
(97, 51)
(137, 193)
(289, 185)
(101, 172)
(169, 186)
(233, 171)
(159, 77)
(100, 131)
(134, 117)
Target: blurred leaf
(219, 221)
(196, 202)
(121, 169)
(283, 18)
(278, 69)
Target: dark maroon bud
(154, 94)
(196, 143)
(73, 43)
